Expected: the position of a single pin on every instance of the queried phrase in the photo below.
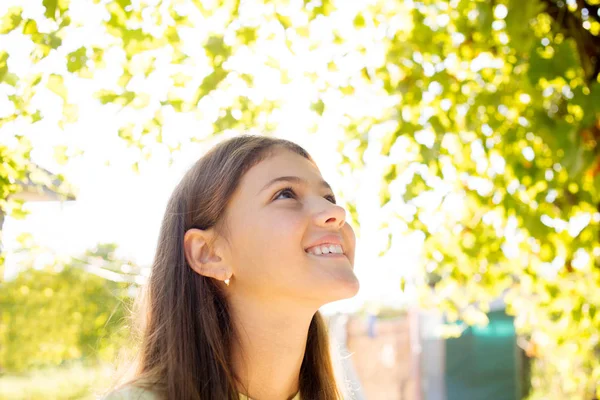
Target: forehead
(280, 162)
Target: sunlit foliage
(64, 311)
(485, 114)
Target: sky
(114, 204)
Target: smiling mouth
(325, 249)
(328, 255)
(335, 255)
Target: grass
(72, 382)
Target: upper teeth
(325, 249)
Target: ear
(203, 259)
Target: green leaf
(322, 7)
(318, 107)
(172, 35)
(594, 98)
(57, 85)
(30, 27)
(11, 20)
(3, 65)
(124, 3)
(215, 46)
(76, 59)
(36, 116)
(106, 96)
(284, 20)
(51, 6)
(387, 246)
(247, 35)
(210, 83)
(416, 186)
(384, 194)
(359, 21)
(518, 26)
(18, 212)
(177, 104)
(485, 17)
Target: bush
(49, 317)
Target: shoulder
(131, 392)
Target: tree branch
(588, 45)
(592, 9)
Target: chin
(343, 289)
(352, 287)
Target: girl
(252, 244)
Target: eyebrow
(294, 179)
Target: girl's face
(280, 209)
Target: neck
(272, 341)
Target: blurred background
(462, 136)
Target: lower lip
(329, 255)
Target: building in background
(39, 185)
(404, 357)
(483, 363)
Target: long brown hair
(182, 325)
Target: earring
(226, 281)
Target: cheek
(267, 240)
(350, 239)
(282, 232)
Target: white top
(137, 393)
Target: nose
(332, 215)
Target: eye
(284, 191)
(290, 192)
